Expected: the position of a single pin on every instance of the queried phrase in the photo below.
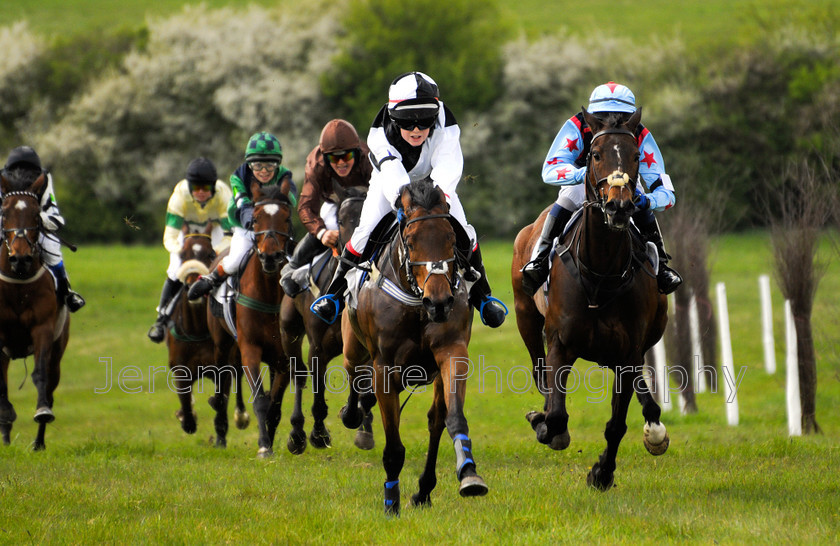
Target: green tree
(456, 42)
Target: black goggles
(410, 124)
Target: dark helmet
(413, 96)
(263, 147)
(23, 155)
(201, 171)
(339, 135)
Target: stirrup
(484, 303)
(336, 304)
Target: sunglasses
(258, 166)
(345, 156)
(201, 187)
(410, 124)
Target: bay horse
(191, 349)
(324, 339)
(602, 302)
(32, 320)
(258, 319)
(413, 321)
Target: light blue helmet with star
(611, 97)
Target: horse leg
(251, 356)
(656, 437)
(296, 442)
(240, 413)
(552, 427)
(364, 434)
(219, 402)
(393, 455)
(436, 422)
(45, 379)
(186, 413)
(320, 436)
(530, 323)
(7, 410)
(601, 476)
(453, 363)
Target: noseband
(439, 267)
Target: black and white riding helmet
(413, 96)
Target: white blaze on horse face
(618, 156)
(21, 205)
(196, 248)
(271, 209)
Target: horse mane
(423, 193)
(21, 178)
(274, 193)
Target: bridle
(614, 179)
(22, 232)
(275, 233)
(438, 267)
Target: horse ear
(256, 190)
(634, 120)
(208, 229)
(594, 123)
(39, 185)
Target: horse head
(272, 226)
(21, 213)
(613, 166)
(196, 255)
(349, 212)
(428, 240)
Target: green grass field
(118, 468)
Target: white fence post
(727, 366)
(767, 324)
(794, 409)
(696, 347)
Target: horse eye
(596, 156)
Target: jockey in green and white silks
(24, 167)
(413, 137)
(198, 201)
(565, 166)
(263, 158)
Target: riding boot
(535, 272)
(329, 306)
(64, 293)
(170, 290)
(206, 283)
(491, 310)
(667, 279)
(307, 249)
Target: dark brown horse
(191, 350)
(324, 339)
(413, 321)
(602, 303)
(258, 320)
(32, 322)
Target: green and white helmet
(264, 147)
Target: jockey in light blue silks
(565, 166)
(413, 137)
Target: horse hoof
(320, 438)
(296, 444)
(7, 415)
(364, 440)
(221, 442)
(656, 439)
(598, 479)
(44, 415)
(473, 486)
(265, 453)
(535, 418)
(6, 433)
(560, 442)
(421, 501)
(351, 419)
(242, 419)
(39, 446)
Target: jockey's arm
(559, 168)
